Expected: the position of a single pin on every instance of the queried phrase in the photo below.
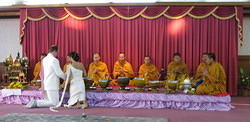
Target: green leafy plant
(244, 77)
(5, 63)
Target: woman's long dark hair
(75, 56)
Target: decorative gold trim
(22, 29)
(204, 16)
(53, 18)
(141, 13)
(135, 16)
(223, 18)
(240, 36)
(99, 17)
(76, 17)
(36, 19)
(178, 17)
(157, 16)
(129, 18)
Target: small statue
(9, 60)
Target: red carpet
(240, 114)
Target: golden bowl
(172, 84)
(139, 82)
(104, 83)
(155, 84)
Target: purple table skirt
(136, 100)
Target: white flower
(25, 58)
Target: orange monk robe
(37, 70)
(148, 72)
(127, 69)
(102, 73)
(177, 71)
(199, 71)
(215, 82)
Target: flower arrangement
(24, 61)
(244, 83)
(8, 61)
(244, 78)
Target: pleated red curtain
(158, 38)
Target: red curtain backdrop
(138, 31)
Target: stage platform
(125, 99)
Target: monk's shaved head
(204, 56)
(122, 54)
(147, 59)
(96, 54)
(122, 57)
(177, 57)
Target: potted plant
(244, 83)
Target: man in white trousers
(51, 74)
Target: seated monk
(148, 71)
(122, 68)
(177, 69)
(199, 71)
(213, 77)
(37, 68)
(98, 70)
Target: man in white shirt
(51, 74)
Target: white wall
(245, 49)
(9, 38)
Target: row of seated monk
(210, 72)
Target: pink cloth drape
(158, 38)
